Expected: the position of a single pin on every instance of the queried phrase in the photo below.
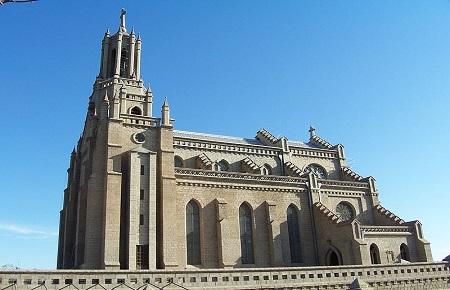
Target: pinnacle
(166, 103)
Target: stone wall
(389, 276)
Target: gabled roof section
(327, 213)
(250, 166)
(266, 137)
(350, 174)
(292, 169)
(317, 141)
(204, 162)
(215, 138)
(383, 212)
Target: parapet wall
(389, 276)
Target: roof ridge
(292, 168)
(330, 215)
(351, 174)
(320, 142)
(250, 164)
(390, 215)
(204, 161)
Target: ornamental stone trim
(410, 276)
(240, 187)
(386, 229)
(180, 172)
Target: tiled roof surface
(230, 139)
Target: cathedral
(143, 195)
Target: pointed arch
(223, 165)
(404, 252)
(178, 161)
(333, 257)
(135, 111)
(246, 233)
(294, 233)
(193, 246)
(374, 254)
(266, 169)
(112, 63)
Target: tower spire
(165, 113)
(122, 20)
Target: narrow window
(267, 170)
(374, 254)
(178, 161)
(141, 219)
(223, 165)
(193, 233)
(136, 111)
(141, 256)
(142, 169)
(112, 63)
(294, 235)
(333, 259)
(142, 194)
(246, 230)
(404, 252)
(124, 63)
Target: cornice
(240, 187)
(250, 149)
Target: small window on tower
(142, 194)
(136, 111)
(124, 63)
(141, 219)
(142, 170)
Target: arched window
(345, 211)
(246, 230)
(404, 252)
(178, 161)
(374, 254)
(123, 63)
(193, 233)
(318, 170)
(112, 63)
(223, 165)
(333, 257)
(266, 170)
(136, 111)
(294, 235)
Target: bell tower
(121, 53)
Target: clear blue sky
(374, 76)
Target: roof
(230, 139)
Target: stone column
(275, 241)
(152, 211)
(105, 51)
(228, 239)
(118, 54)
(132, 52)
(138, 58)
(133, 208)
(170, 229)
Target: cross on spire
(312, 131)
(122, 19)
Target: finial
(122, 20)
(312, 131)
(149, 88)
(166, 103)
(106, 98)
(107, 32)
(132, 30)
(139, 37)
